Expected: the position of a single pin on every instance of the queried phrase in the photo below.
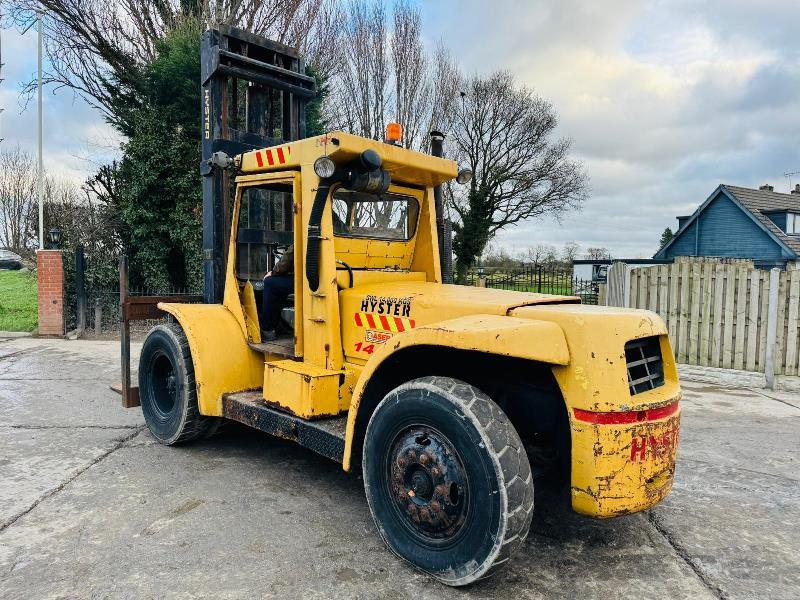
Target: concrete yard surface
(92, 507)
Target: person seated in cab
(278, 284)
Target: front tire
(167, 390)
(447, 479)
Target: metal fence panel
(533, 278)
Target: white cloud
(663, 99)
(76, 139)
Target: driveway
(92, 507)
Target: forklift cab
(372, 234)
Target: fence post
(98, 316)
(80, 289)
(619, 292)
(772, 328)
(602, 294)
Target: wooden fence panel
(673, 284)
(683, 328)
(694, 315)
(793, 324)
(716, 328)
(662, 281)
(780, 349)
(752, 321)
(727, 318)
(762, 321)
(742, 286)
(705, 316)
(717, 314)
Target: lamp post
(40, 190)
(40, 175)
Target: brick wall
(50, 275)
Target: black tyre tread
(195, 425)
(508, 449)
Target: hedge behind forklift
(447, 398)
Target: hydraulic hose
(349, 270)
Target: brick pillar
(50, 275)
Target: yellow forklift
(434, 391)
(448, 399)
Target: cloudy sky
(664, 100)
(76, 139)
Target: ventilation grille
(645, 366)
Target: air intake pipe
(314, 230)
(364, 174)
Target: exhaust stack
(443, 230)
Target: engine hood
(418, 303)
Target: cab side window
(265, 229)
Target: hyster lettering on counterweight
(398, 307)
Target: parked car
(9, 260)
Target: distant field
(18, 305)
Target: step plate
(281, 347)
(325, 436)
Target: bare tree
(93, 43)
(359, 88)
(505, 134)
(386, 74)
(412, 87)
(84, 218)
(540, 254)
(597, 253)
(446, 80)
(17, 199)
(81, 216)
(320, 41)
(494, 256)
(570, 252)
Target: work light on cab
(464, 176)
(324, 167)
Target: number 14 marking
(369, 349)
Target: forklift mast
(254, 93)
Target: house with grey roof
(736, 222)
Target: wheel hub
(428, 483)
(163, 386)
(421, 484)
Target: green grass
(18, 303)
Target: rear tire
(167, 390)
(447, 479)
(216, 425)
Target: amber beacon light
(394, 132)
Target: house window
(793, 223)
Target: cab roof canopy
(404, 166)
